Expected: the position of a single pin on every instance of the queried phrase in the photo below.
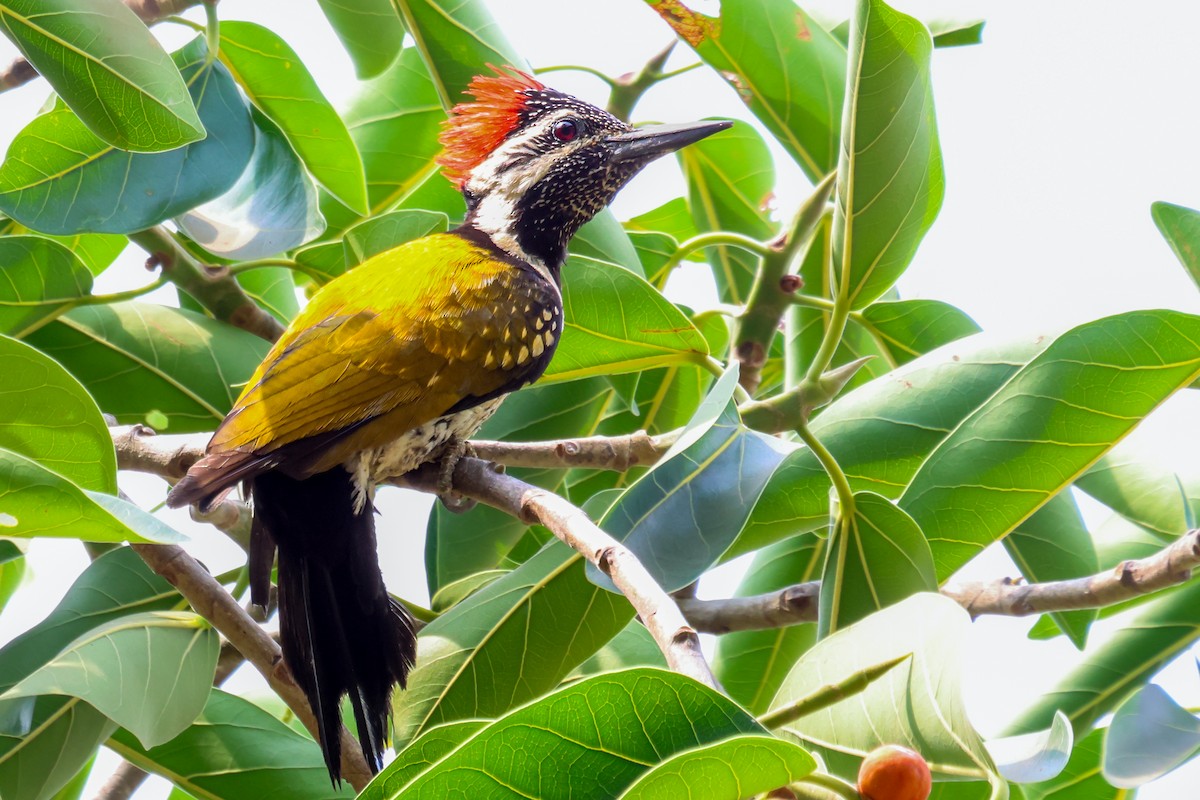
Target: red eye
(565, 130)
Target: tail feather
(340, 631)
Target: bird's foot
(452, 453)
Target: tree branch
(21, 72)
(618, 453)
(481, 481)
(215, 289)
(210, 600)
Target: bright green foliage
(535, 677)
(105, 64)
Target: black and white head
(535, 164)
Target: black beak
(646, 144)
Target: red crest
(475, 129)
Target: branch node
(790, 284)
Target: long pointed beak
(645, 144)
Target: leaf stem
(610, 82)
(841, 484)
(628, 90)
(117, 297)
(831, 783)
(713, 239)
(212, 32)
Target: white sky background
(1057, 134)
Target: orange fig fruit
(892, 772)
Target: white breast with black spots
(419, 446)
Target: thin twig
(21, 72)
(481, 481)
(618, 453)
(210, 600)
(215, 289)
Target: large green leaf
(877, 557)
(59, 177)
(1049, 423)
(752, 665)
(682, 515)
(730, 180)
(478, 659)
(1053, 544)
(375, 235)
(425, 751)
(271, 208)
(890, 177)
(51, 419)
(784, 66)
(459, 545)
(617, 322)
(738, 767)
(35, 501)
(1140, 490)
(139, 358)
(634, 646)
(59, 734)
(1180, 226)
(236, 750)
(1149, 735)
(149, 672)
(108, 67)
(882, 432)
(917, 703)
(12, 570)
(588, 740)
(395, 120)
(277, 81)
(39, 280)
(370, 30)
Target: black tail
(341, 632)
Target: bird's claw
(453, 452)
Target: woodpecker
(400, 358)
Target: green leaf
(38, 502)
(1166, 627)
(1081, 779)
(60, 178)
(616, 322)
(59, 734)
(926, 687)
(63, 734)
(787, 69)
(752, 665)
(1049, 423)
(673, 218)
(1149, 736)
(273, 288)
(735, 768)
(956, 33)
(592, 738)
(149, 672)
(877, 557)
(12, 570)
(890, 176)
(276, 80)
(108, 67)
(395, 120)
(1180, 226)
(1053, 544)
(50, 418)
(173, 362)
(73, 790)
(233, 751)
(39, 280)
(603, 239)
(456, 40)
(425, 751)
(906, 329)
(731, 181)
(478, 660)
(375, 235)
(881, 433)
(634, 646)
(683, 514)
(1143, 492)
(272, 207)
(370, 30)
